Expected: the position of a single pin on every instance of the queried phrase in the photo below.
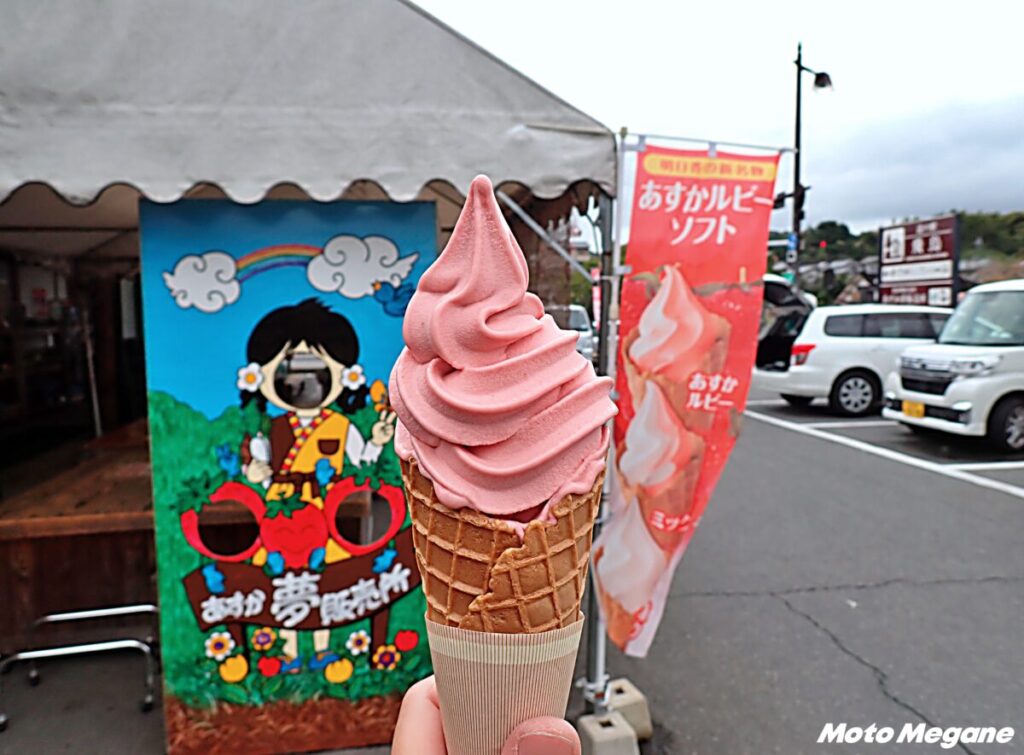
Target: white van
(971, 382)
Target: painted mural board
(291, 619)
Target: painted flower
(219, 646)
(379, 396)
(358, 643)
(406, 640)
(386, 657)
(234, 669)
(249, 377)
(263, 638)
(353, 377)
(338, 671)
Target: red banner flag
(689, 316)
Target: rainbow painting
(273, 257)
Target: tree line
(982, 234)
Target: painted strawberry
(269, 666)
(294, 529)
(406, 640)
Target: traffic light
(823, 245)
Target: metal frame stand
(95, 613)
(148, 648)
(93, 647)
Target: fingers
(387, 417)
(418, 731)
(543, 736)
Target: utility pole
(798, 189)
(821, 81)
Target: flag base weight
(624, 698)
(606, 734)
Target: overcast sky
(927, 113)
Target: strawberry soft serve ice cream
(497, 407)
(675, 338)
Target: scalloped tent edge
(258, 98)
(37, 221)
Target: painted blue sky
(195, 356)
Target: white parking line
(988, 465)
(766, 402)
(851, 423)
(885, 453)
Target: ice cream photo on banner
(503, 432)
(660, 459)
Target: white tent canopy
(250, 94)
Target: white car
(844, 353)
(972, 381)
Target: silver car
(575, 317)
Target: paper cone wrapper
(489, 683)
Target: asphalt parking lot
(970, 459)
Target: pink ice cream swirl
(494, 403)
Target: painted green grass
(185, 470)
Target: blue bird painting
(394, 299)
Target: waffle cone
(678, 393)
(478, 575)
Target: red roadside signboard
(918, 262)
(689, 315)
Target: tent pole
(595, 685)
(537, 228)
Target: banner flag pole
(595, 684)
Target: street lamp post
(821, 81)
